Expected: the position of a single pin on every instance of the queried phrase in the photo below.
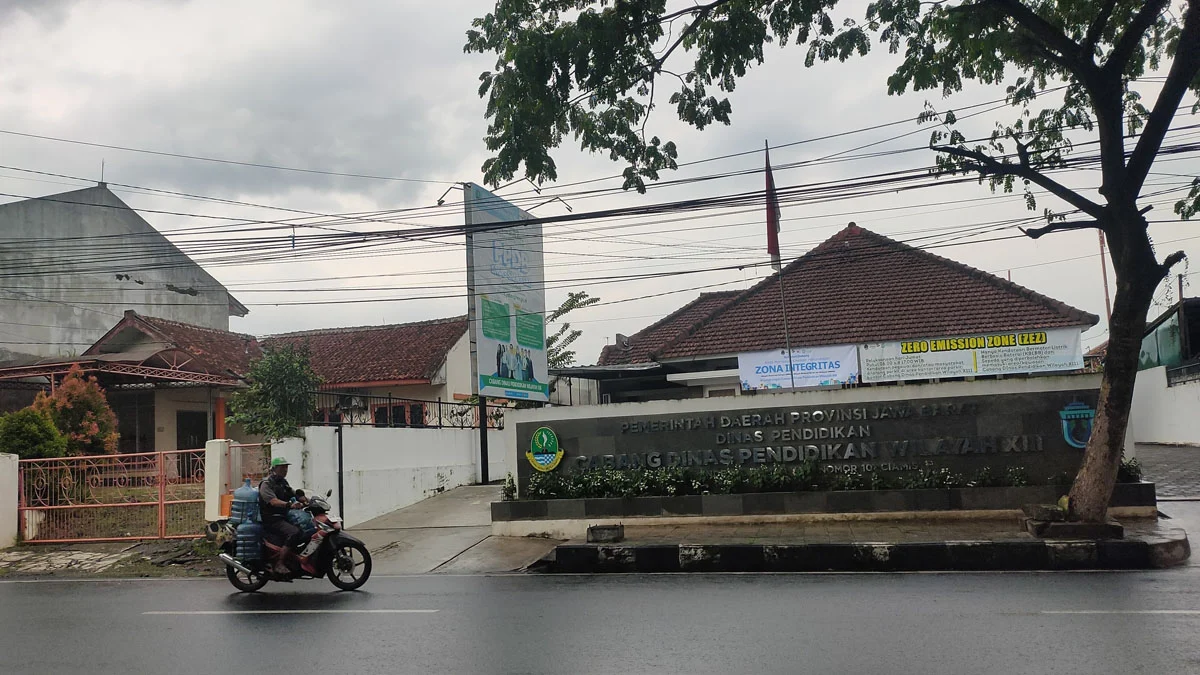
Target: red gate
(150, 495)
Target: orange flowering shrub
(82, 415)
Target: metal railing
(150, 495)
(349, 409)
(1189, 372)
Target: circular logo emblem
(544, 453)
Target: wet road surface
(911, 623)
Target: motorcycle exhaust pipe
(232, 562)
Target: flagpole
(773, 249)
(787, 340)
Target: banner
(1033, 351)
(505, 280)
(811, 366)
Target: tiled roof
(219, 350)
(1099, 350)
(400, 352)
(657, 335)
(860, 287)
(213, 351)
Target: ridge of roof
(191, 326)
(364, 329)
(1087, 318)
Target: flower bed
(804, 477)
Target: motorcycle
(330, 552)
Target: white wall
(1162, 414)
(8, 500)
(46, 327)
(168, 402)
(388, 469)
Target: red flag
(772, 216)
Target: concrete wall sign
(1034, 351)
(963, 434)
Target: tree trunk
(1138, 275)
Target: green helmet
(279, 461)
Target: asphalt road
(913, 623)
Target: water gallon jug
(249, 540)
(245, 505)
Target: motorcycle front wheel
(350, 567)
(246, 583)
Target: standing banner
(1032, 351)
(507, 309)
(812, 366)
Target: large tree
(592, 68)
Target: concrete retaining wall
(8, 500)
(387, 469)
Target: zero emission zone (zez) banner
(812, 367)
(509, 295)
(1032, 351)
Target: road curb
(1014, 555)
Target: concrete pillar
(219, 416)
(9, 495)
(216, 476)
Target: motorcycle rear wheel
(350, 567)
(246, 583)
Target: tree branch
(1075, 59)
(986, 165)
(1037, 232)
(1129, 40)
(698, 9)
(1173, 260)
(1097, 27)
(701, 15)
(1183, 70)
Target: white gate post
(9, 481)
(216, 474)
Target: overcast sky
(384, 89)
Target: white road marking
(289, 611)
(1123, 611)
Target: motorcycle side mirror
(329, 493)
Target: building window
(416, 414)
(719, 393)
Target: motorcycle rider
(276, 497)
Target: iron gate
(149, 495)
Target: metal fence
(151, 495)
(337, 408)
(1186, 373)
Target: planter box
(785, 503)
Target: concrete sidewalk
(448, 533)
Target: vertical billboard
(507, 296)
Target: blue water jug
(245, 505)
(249, 541)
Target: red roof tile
(654, 337)
(409, 351)
(215, 351)
(860, 287)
